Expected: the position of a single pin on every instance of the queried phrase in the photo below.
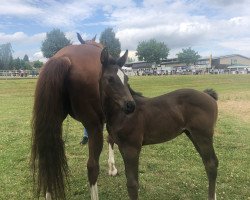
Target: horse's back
(85, 60)
(83, 79)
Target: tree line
(7, 62)
(150, 51)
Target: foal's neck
(137, 96)
(139, 99)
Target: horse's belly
(160, 137)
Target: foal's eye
(111, 79)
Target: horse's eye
(111, 79)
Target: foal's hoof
(113, 172)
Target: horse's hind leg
(204, 145)
(111, 160)
(95, 147)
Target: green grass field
(171, 170)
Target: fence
(19, 73)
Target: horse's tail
(48, 158)
(212, 93)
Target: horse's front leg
(130, 156)
(111, 160)
(48, 196)
(95, 147)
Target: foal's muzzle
(129, 107)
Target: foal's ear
(104, 56)
(121, 61)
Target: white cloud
(56, 13)
(209, 29)
(174, 28)
(237, 45)
(21, 38)
(22, 43)
(224, 3)
(5, 38)
(214, 26)
(38, 56)
(18, 8)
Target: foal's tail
(212, 93)
(48, 158)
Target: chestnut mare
(156, 120)
(69, 84)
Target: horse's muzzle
(129, 107)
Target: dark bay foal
(156, 120)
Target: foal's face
(114, 85)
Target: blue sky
(217, 27)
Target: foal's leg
(204, 145)
(95, 148)
(111, 160)
(131, 160)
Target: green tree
(37, 64)
(16, 63)
(152, 51)
(26, 58)
(188, 56)
(25, 65)
(55, 40)
(6, 56)
(108, 39)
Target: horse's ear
(80, 38)
(93, 39)
(104, 56)
(121, 61)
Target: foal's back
(167, 116)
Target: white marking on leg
(120, 74)
(48, 196)
(111, 161)
(94, 192)
(214, 196)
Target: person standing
(85, 137)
